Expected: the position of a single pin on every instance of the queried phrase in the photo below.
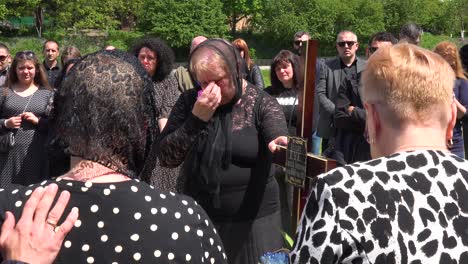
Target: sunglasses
(3, 57)
(26, 53)
(373, 49)
(297, 42)
(343, 43)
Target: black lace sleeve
(271, 117)
(180, 132)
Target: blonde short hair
(414, 84)
(205, 59)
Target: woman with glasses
(254, 74)
(23, 111)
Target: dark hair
(40, 77)
(286, 56)
(105, 112)
(383, 37)
(5, 47)
(69, 53)
(410, 32)
(300, 34)
(164, 55)
(464, 57)
(47, 41)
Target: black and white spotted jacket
(411, 207)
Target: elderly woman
(222, 134)
(105, 114)
(449, 52)
(254, 74)
(158, 58)
(408, 204)
(23, 111)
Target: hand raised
(207, 102)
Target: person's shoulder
(462, 83)
(362, 171)
(333, 61)
(269, 90)
(13, 197)
(44, 91)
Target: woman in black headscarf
(223, 133)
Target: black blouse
(256, 120)
(128, 222)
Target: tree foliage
(179, 21)
(271, 22)
(237, 10)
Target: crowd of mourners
(122, 157)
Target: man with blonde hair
(408, 204)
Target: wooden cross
(315, 164)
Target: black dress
(248, 217)
(26, 162)
(166, 95)
(128, 222)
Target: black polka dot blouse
(128, 222)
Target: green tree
(179, 21)
(322, 18)
(237, 10)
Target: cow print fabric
(410, 207)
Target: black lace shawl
(105, 112)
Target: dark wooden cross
(315, 165)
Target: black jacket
(350, 127)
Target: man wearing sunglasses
(5, 60)
(350, 116)
(300, 37)
(334, 71)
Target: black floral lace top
(256, 120)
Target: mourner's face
(347, 45)
(148, 58)
(375, 45)
(298, 42)
(5, 59)
(51, 51)
(285, 73)
(26, 71)
(221, 78)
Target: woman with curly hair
(254, 74)
(450, 53)
(158, 58)
(23, 111)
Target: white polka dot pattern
(128, 222)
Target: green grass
(266, 77)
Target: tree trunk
(39, 20)
(233, 24)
